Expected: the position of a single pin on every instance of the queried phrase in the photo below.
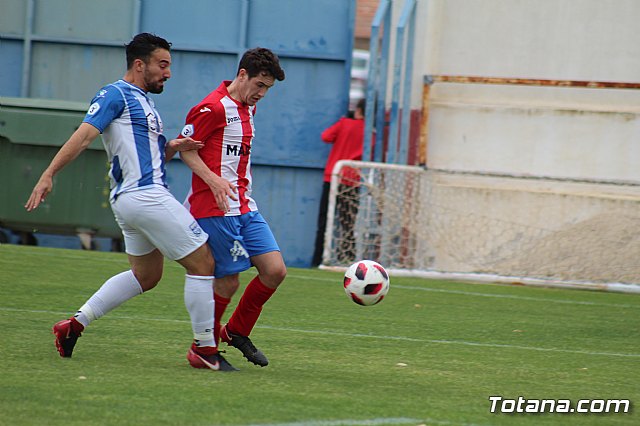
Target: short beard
(155, 89)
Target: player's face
(255, 88)
(157, 70)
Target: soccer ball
(366, 282)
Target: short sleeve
(203, 120)
(105, 107)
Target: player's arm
(78, 142)
(220, 187)
(331, 133)
(181, 145)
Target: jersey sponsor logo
(238, 250)
(102, 93)
(238, 150)
(93, 108)
(187, 130)
(205, 109)
(232, 119)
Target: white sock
(198, 298)
(113, 293)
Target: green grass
(332, 362)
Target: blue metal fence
(68, 49)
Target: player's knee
(206, 259)
(281, 274)
(226, 287)
(274, 276)
(148, 280)
(233, 286)
(200, 262)
(205, 266)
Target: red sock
(221, 304)
(246, 314)
(204, 350)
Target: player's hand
(40, 192)
(223, 190)
(185, 144)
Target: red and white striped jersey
(226, 128)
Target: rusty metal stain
(532, 82)
(424, 126)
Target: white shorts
(152, 218)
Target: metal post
(27, 48)
(373, 83)
(136, 24)
(395, 96)
(243, 29)
(382, 85)
(408, 14)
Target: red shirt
(347, 136)
(226, 128)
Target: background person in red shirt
(347, 137)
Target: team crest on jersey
(154, 124)
(93, 108)
(187, 130)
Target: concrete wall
(538, 180)
(576, 133)
(560, 39)
(581, 133)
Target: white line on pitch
(449, 342)
(511, 296)
(123, 260)
(473, 293)
(360, 335)
(369, 422)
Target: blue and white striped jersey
(131, 131)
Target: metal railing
(397, 146)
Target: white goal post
(534, 231)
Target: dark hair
(143, 45)
(259, 60)
(362, 103)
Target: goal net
(480, 227)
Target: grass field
(431, 354)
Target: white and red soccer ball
(366, 282)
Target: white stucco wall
(554, 39)
(591, 134)
(579, 133)
(554, 185)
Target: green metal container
(31, 132)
